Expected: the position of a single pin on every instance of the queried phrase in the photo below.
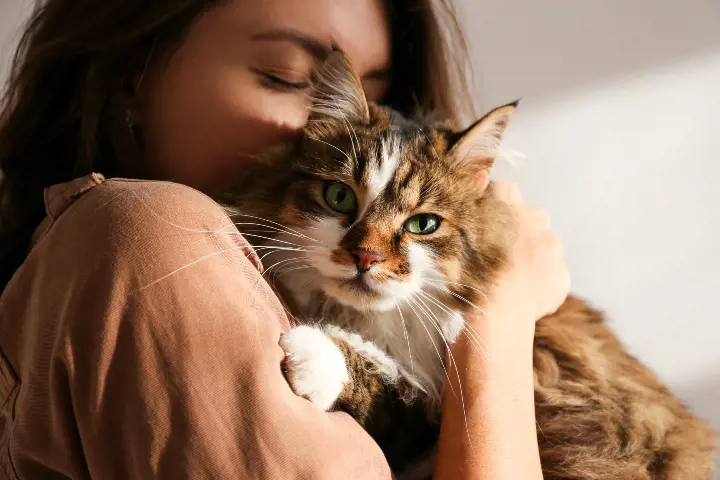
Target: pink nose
(364, 259)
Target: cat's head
(377, 209)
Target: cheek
(451, 268)
(202, 128)
(326, 234)
(421, 261)
(422, 269)
(448, 254)
(328, 231)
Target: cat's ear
(479, 145)
(339, 96)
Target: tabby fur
(600, 413)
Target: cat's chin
(362, 299)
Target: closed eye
(277, 81)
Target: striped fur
(601, 414)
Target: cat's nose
(364, 259)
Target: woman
(137, 339)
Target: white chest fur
(416, 334)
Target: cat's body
(386, 232)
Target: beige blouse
(139, 340)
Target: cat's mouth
(361, 292)
(360, 284)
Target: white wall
(12, 13)
(620, 122)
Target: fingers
(538, 255)
(508, 192)
(536, 219)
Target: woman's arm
(146, 345)
(494, 436)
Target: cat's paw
(314, 366)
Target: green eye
(422, 224)
(340, 198)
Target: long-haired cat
(386, 232)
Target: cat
(387, 231)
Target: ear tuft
(338, 96)
(479, 145)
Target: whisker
(407, 337)
(221, 229)
(436, 323)
(470, 333)
(475, 337)
(331, 145)
(276, 240)
(457, 295)
(238, 214)
(281, 262)
(175, 225)
(295, 269)
(310, 279)
(452, 359)
(282, 266)
(348, 127)
(277, 229)
(270, 268)
(437, 350)
(214, 254)
(257, 230)
(294, 259)
(275, 247)
(352, 134)
(462, 285)
(429, 142)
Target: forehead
(399, 163)
(359, 27)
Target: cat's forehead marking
(379, 169)
(379, 175)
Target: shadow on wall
(543, 49)
(704, 398)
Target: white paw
(315, 367)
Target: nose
(364, 259)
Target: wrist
(497, 410)
(495, 351)
(507, 322)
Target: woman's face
(239, 82)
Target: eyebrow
(314, 47)
(311, 45)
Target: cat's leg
(338, 370)
(373, 375)
(329, 366)
(390, 404)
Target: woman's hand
(490, 433)
(537, 280)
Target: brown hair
(62, 116)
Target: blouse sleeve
(146, 345)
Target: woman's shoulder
(132, 203)
(134, 241)
(145, 229)
(126, 213)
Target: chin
(358, 295)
